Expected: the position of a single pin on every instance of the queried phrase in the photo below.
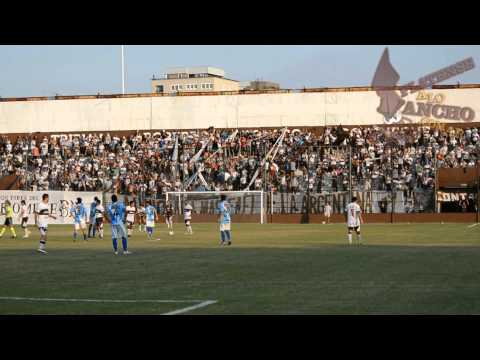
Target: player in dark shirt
(169, 217)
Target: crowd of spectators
(382, 158)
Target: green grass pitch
(269, 269)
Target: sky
(81, 70)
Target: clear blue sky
(73, 70)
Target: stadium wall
(467, 218)
(310, 107)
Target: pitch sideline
(202, 303)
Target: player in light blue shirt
(79, 214)
(151, 214)
(92, 226)
(116, 213)
(225, 221)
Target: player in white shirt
(130, 211)
(327, 211)
(187, 216)
(354, 219)
(24, 218)
(141, 217)
(99, 211)
(41, 219)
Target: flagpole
(123, 71)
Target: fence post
(271, 205)
(261, 207)
(478, 191)
(350, 171)
(393, 205)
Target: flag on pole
(274, 147)
(199, 153)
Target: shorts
(99, 221)
(129, 224)
(356, 228)
(8, 221)
(225, 227)
(187, 222)
(169, 219)
(327, 214)
(80, 225)
(118, 231)
(43, 230)
(24, 222)
(150, 223)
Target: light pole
(123, 71)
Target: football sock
(89, 230)
(94, 230)
(3, 230)
(227, 232)
(74, 235)
(349, 238)
(115, 246)
(42, 244)
(359, 237)
(12, 229)
(222, 234)
(84, 236)
(124, 243)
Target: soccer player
(151, 213)
(130, 217)
(8, 220)
(24, 218)
(99, 211)
(79, 214)
(116, 213)
(354, 219)
(224, 218)
(41, 219)
(187, 215)
(328, 212)
(91, 225)
(141, 216)
(169, 216)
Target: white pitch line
(190, 308)
(98, 300)
(203, 303)
(471, 226)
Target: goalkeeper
(224, 210)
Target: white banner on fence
(60, 203)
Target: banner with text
(60, 203)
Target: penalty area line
(471, 226)
(190, 308)
(202, 303)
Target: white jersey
(328, 210)
(130, 213)
(187, 212)
(24, 211)
(99, 211)
(43, 212)
(353, 215)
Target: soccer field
(269, 269)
